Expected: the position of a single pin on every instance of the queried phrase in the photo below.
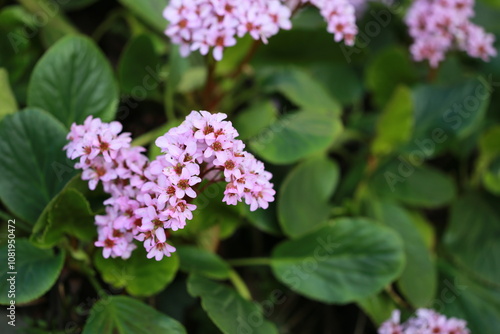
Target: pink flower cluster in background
(426, 322)
(438, 26)
(204, 24)
(215, 24)
(150, 198)
(340, 18)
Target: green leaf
(472, 234)
(69, 213)
(418, 282)
(36, 270)
(491, 177)
(264, 220)
(464, 298)
(412, 184)
(198, 261)
(251, 121)
(9, 103)
(299, 214)
(301, 89)
(72, 81)
(394, 126)
(348, 90)
(227, 309)
(19, 53)
(33, 165)
(379, 307)
(488, 142)
(150, 11)
(389, 69)
(139, 275)
(349, 260)
(295, 136)
(125, 315)
(447, 114)
(137, 69)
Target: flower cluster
(438, 26)
(426, 322)
(150, 198)
(204, 24)
(340, 17)
(205, 145)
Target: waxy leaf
(466, 298)
(35, 270)
(473, 232)
(346, 261)
(72, 81)
(125, 315)
(198, 261)
(33, 164)
(139, 275)
(418, 282)
(295, 136)
(404, 181)
(298, 214)
(227, 309)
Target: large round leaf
(346, 261)
(37, 270)
(296, 135)
(33, 166)
(73, 80)
(139, 275)
(68, 213)
(389, 68)
(227, 309)
(444, 115)
(124, 315)
(138, 68)
(297, 213)
(412, 184)
(199, 261)
(465, 298)
(300, 88)
(395, 124)
(251, 121)
(473, 233)
(418, 282)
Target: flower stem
(239, 285)
(255, 261)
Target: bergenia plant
(249, 166)
(150, 198)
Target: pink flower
(426, 322)
(214, 24)
(150, 198)
(159, 250)
(183, 183)
(440, 26)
